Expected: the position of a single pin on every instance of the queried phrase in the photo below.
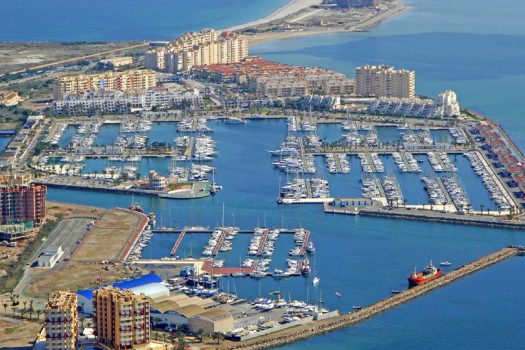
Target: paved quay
(355, 317)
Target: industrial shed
(169, 313)
(214, 320)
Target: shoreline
(397, 10)
(290, 8)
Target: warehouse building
(150, 285)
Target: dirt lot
(9, 255)
(66, 211)
(17, 56)
(85, 268)
(18, 334)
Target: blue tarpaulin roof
(125, 284)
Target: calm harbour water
(476, 48)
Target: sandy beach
(260, 38)
(292, 7)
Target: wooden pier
(177, 243)
(358, 316)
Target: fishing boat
(338, 294)
(316, 281)
(445, 263)
(428, 274)
(395, 291)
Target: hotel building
(61, 321)
(122, 319)
(130, 80)
(198, 49)
(384, 81)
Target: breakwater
(355, 317)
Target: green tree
(181, 341)
(217, 336)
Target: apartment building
(122, 319)
(61, 319)
(385, 81)
(273, 79)
(196, 49)
(130, 80)
(444, 106)
(22, 203)
(158, 98)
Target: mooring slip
(177, 243)
(354, 317)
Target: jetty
(356, 316)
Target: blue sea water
(118, 20)
(476, 48)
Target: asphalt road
(67, 234)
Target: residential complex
(357, 3)
(272, 79)
(444, 106)
(22, 202)
(126, 81)
(122, 319)
(197, 49)
(61, 321)
(158, 98)
(384, 81)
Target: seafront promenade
(355, 317)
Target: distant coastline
(296, 6)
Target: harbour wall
(355, 317)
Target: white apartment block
(444, 106)
(124, 102)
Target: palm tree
(5, 307)
(89, 324)
(30, 312)
(481, 206)
(15, 309)
(38, 313)
(181, 341)
(217, 336)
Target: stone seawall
(352, 318)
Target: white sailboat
(316, 278)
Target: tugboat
(428, 274)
